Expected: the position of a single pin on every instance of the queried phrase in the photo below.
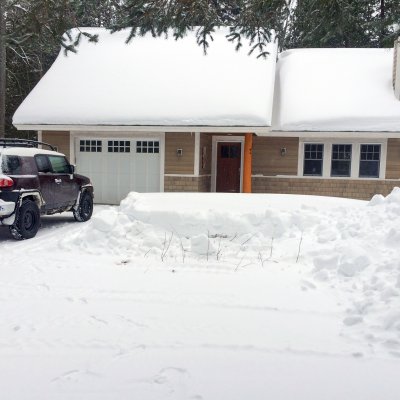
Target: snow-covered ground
(206, 296)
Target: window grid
(370, 152)
(341, 160)
(90, 146)
(119, 146)
(370, 156)
(313, 159)
(144, 146)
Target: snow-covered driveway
(154, 300)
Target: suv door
(66, 188)
(46, 180)
(58, 186)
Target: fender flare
(37, 197)
(84, 188)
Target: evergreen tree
(31, 31)
(2, 68)
(31, 40)
(344, 23)
(248, 19)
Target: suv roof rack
(14, 142)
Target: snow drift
(342, 243)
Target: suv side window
(42, 163)
(11, 165)
(59, 165)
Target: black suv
(35, 181)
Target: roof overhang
(259, 130)
(335, 134)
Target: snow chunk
(105, 220)
(349, 266)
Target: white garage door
(119, 166)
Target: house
(159, 115)
(155, 114)
(339, 115)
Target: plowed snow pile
(348, 244)
(205, 296)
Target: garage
(118, 166)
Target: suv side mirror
(72, 169)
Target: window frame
(341, 160)
(147, 147)
(313, 159)
(355, 160)
(119, 146)
(379, 161)
(90, 146)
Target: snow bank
(346, 243)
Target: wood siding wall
(393, 159)
(267, 158)
(60, 139)
(179, 165)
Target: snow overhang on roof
(153, 82)
(335, 90)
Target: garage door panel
(119, 166)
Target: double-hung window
(341, 160)
(313, 159)
(370, 157)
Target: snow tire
(84, 210)
(27, 223)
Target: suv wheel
(85, 208)
(28, 221)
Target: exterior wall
(393, 159)
(267, 162)
(362, 189)
(187, 184)
(174, 164)
(267, 158)
(60, 139)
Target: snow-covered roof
(335, 90)
(153, 82)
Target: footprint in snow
(175, 381)
(74, 374)
(350, 321)
(102, 321)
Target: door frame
(226, 139)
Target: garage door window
(119, 146)
(144, 146)
(90, 146)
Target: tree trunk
(2, 68)
(382, 17)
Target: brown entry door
(228, 167)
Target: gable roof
(153, 82)
(335, 90)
